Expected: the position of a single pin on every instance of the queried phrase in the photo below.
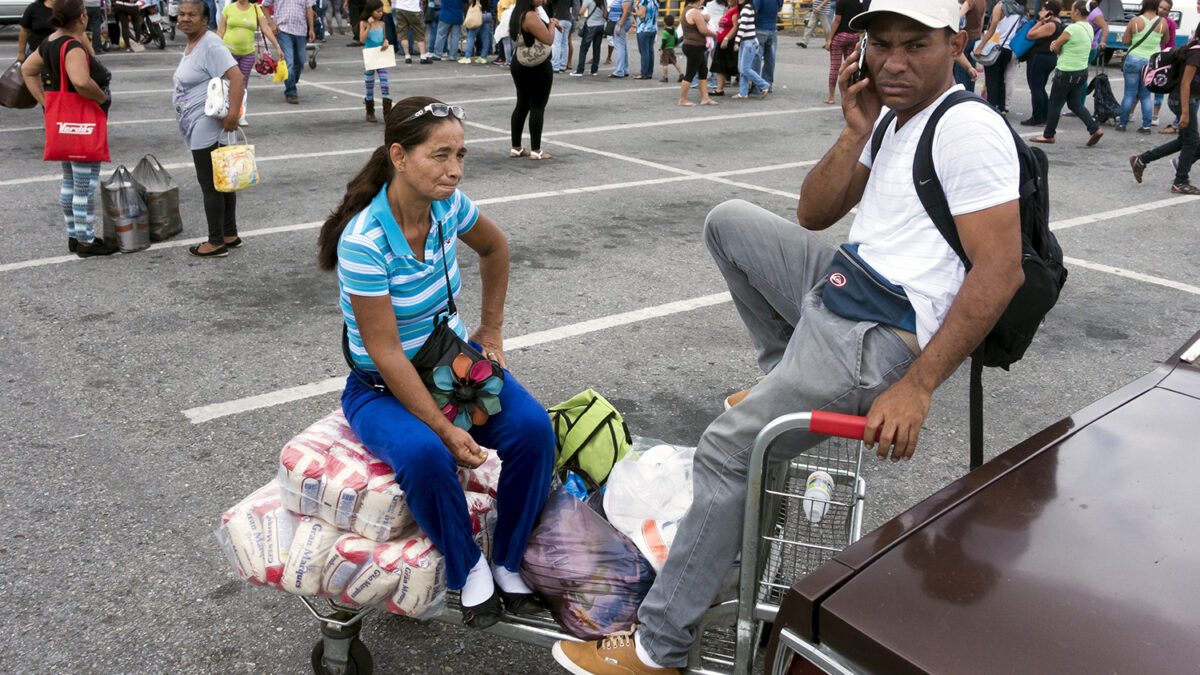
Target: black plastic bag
(125, 217)
(160, 193)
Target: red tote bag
(76, 127)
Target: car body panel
(1072, 552)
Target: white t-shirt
(407, 5)
(975, 160)
(1005, 30)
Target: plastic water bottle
(817, 493)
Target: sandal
(541, 154)
(484, 615)
(1043, 139)
(1185, 189)
(520, 603)
(1169, 129)
(518, 152)
(766, 91)
(739, 97)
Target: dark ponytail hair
(370, 7)
(520, 9)
(66, 12)
(377, 172)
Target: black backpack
(1164, 70)
(1105, 103)
(1041, 256)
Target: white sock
(509, 582)
(643, 655)
(479, 586)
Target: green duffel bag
(591, 437)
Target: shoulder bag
(991, 49)
(76, 127)
(463, 383)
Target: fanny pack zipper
(869, 272)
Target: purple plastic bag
(592, 577)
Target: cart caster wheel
(360, 662)
(312, 62)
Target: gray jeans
(824, 18)
(813, 360)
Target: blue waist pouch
(857, 292)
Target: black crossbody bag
(463, 382)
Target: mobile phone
(860, 73)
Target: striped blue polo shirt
(374, 259)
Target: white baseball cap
(932, 13)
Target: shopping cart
(780, 544)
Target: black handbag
(464, 384)
(610, 27)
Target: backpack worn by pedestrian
(1164, 70)
(590, 437)
(1041, 255)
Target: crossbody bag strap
(445, 268)
(1147, 35)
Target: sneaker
(408, 60)
(575, 74)
(802, 45)
(1145, 131)
(426, 60)
(737, 397)
(464, 60)
(664, 80)
(1154, 121)
(1138, 167)
(1121, 128)
(480, 59)
(1185, 189)
(613, 654)
(97, 247)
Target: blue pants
(212, 14)
(561, 47)
(1037, 74)
(747, 51)
(645, 43)
(447, 39)
(621, 53)
(520, 433)
(294, 47)
(960, 74)
(483, 34)
(764, 64)
(77, 196)
(1135, 90)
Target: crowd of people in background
(722, 41)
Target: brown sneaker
(1138, 167)
(613, 654)
(736, 398)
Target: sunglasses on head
(437, 110)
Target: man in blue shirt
(449, 30)
(766, 14)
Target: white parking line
(180, 243)
(330, 385)
(47, 178)
(264, 81)
(1108, 269)
(1121, 213)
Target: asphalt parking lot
(146, 393)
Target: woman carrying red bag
(74, 128)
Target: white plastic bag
(648, 495)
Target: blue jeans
(560, 49)
(448, 35)
(645, 43)
(621, 53)
(764, 64)
(593, 38)
(961, 76)
(1136, 91)
(1186, 143)
(520, 433)
(293, 53)
(212, 14)
(1037, 74)
(747, 51)
(484, 34)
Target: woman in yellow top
(239, 21)
(1143, 36)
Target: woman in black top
(35, 26)
(1040, 61)
(531, 73)
(86, 76)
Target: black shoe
(97, 247)
(72, 244)
(236, 243)
(714, 92)
(520, 603)
(219, 252)
(1032, 123)
(484, 615)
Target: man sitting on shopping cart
(830, 334)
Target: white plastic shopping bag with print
(648, 495)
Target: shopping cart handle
(837, 424)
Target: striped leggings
(843, 45)
(77, 196)
(369, 80)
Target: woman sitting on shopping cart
(394, 241)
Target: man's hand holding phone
(860, 101)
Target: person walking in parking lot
(204, 58)
(821, 14)
(1073, 46)
(35, 26)
(239, 24)
(1143, 36)
(820, 349)
(292, 21)
(1186, 143)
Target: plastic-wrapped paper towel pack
(334, 524)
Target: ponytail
(400, 130)
(359, 193)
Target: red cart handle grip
(837, 424)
